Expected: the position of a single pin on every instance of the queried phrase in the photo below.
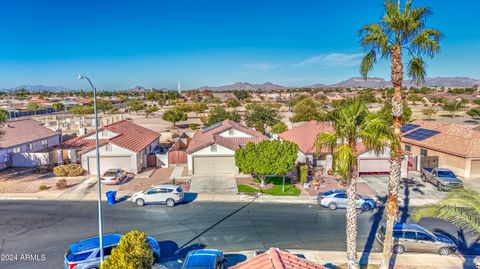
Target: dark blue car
(204, 259)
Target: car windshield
(179, 189)
(110, 173)
(445, 174)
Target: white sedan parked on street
(161, 194)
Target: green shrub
(62, 184)
(193, 126)
(133, 251)
(303, 173)
(43, 187)
(69, 170)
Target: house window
(213, 148)
(423, 152)
(408, 148)
(29, 147)
(45, 143)
(108, 147)
(231, 132)
(16, 150)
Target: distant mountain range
(354, 82)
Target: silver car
(415, 238)
(338, 199)
(113, 176)
(165, 194)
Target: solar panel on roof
(408, 127)
(213, 126)
(421, 134)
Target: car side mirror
(180, 260)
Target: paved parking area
(412, 188)
(214, 184)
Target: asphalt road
(39, 232)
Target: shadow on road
(466, 249)
(376, 222)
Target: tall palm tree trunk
(391, 208)
(351, 215)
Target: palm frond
(373, 37)
(376, 133)
(417, 70)
(427, 42)
(326, 140)
(367, 63)
(344, 161)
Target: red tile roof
(129, 136)
(306, 134)
(202, 139)
(277, 259)
(19, 132)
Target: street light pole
(100, 218)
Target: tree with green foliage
(241, 94)
(353, 123)
(22, 93)
(400, 29)
(133, 251)
(461, 207)
(233, 102)
(58, 106)
(303, 173)
(279, 127)
(104, 105)
(429, 112)
(306, 110)
(218, 114)
(267, 158)
(150, 110)
(260, 117)
(32, 106)
(81, 110)
(174, 116)
(474, 112)
(136, 106)
(198, 107)
(452, 106)
(4, 116)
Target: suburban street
(46, 228)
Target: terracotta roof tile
(458, 140)
(306, 134)
(129, 136)
(203, 138)
(19, 132)
(277, 259)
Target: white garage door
(373, 165)
(123, 162)
(214, 165)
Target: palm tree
(461, 207)
(353, 124)
(399, 30)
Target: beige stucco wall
(459, 165)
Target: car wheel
(439, 187)
(424, 179)
(140, 202)
(170, 202)
(398, 249)
(444, 251)
(332, 206)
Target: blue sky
(120, 44)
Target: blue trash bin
(111, 197)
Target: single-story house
(443, 144)
(23, 137)
(305, 136)
(275, 258)
(122, 144)
(212, 149)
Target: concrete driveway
(412, 189)
(217, 183)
